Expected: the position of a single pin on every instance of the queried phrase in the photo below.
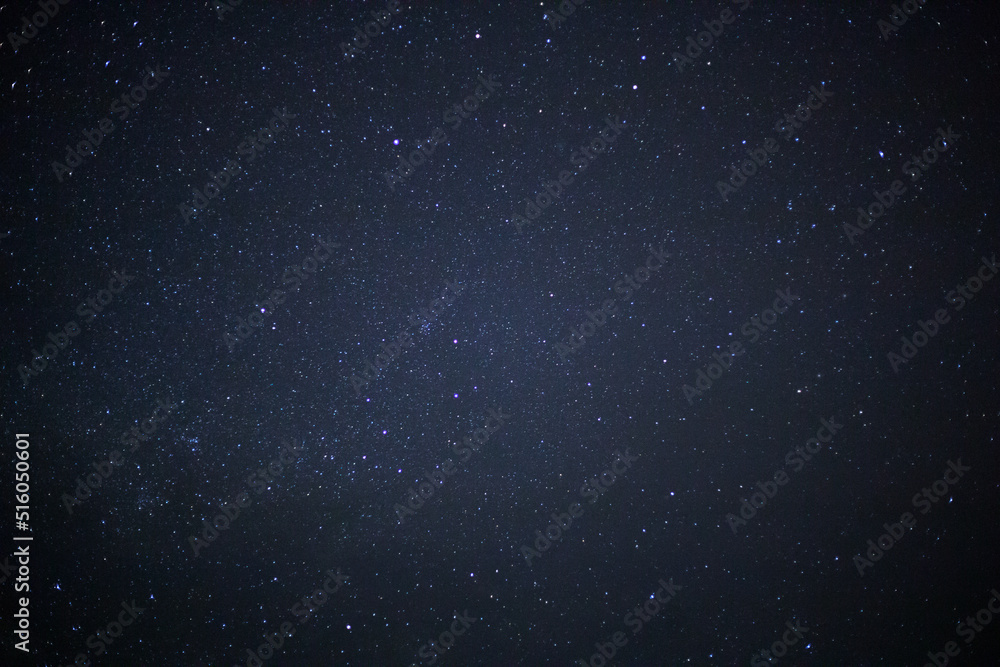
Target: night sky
(449, 333)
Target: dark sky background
(163, 336)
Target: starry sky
(527, 211)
